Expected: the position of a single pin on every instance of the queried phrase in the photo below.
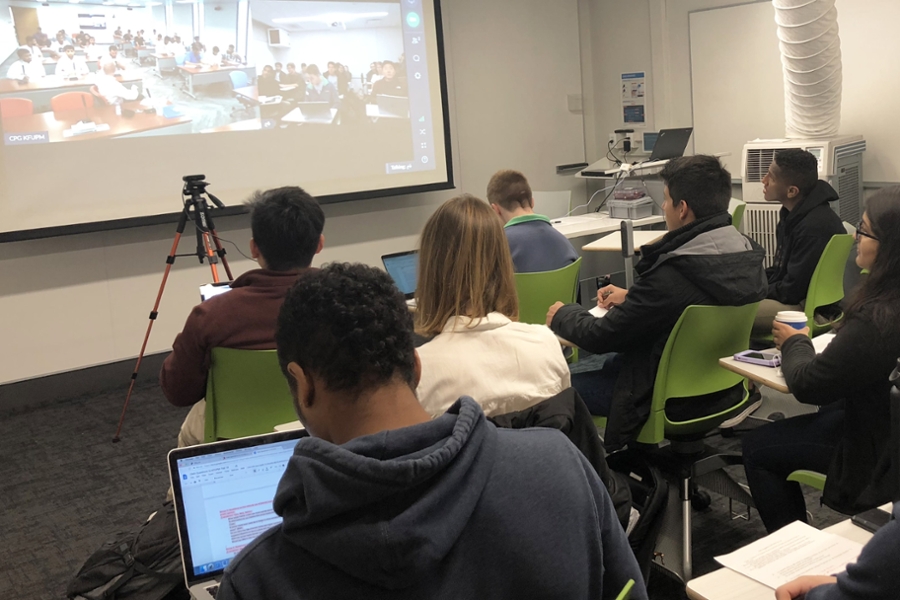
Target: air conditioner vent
(758, 162)
(848, 190)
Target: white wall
(83, 300)
(182, 22)
(8, 42)
(369, 45)
(219, 26)
(64, 16)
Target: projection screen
(105, 105)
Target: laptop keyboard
(213, 590)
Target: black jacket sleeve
(853, 359)
(649, 311)
(803, 257)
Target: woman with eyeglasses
(848, 439)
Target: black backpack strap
(140, 568)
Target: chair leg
(687, 567)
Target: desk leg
(191, 86)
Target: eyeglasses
(859, 231)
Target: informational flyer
(634, 91)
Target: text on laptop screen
(403, 268)
(227, 499)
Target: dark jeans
(774, 450)
(596, 387)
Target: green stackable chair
(813, 479)
(737, 217)
(690, 367)
(246, 394)
(827, 284)
(625, 594)
(538, 291)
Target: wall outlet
(612, 139)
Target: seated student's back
(533, 242)
(466, 299)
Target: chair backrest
(246, 394)
(538, 291)
(179, 60)
(737, 217)
(690, 365)
(625, 594)
(239, 79)
(98, 97)
(827, 284)
(16, 107)
(71, 101)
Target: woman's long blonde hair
(465, 268)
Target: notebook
(403, 268)
(209, 290)
(223, 501)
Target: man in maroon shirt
(287, 228)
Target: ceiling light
(330, 18)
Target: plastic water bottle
(118, 110)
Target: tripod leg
(170, 260)
(220, 250)
(210, 256)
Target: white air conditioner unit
(279, 38)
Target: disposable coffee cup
(794, 318)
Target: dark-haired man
(287, 228)
(805, 227)
(701, 260)
(26, 68)
(382, 501)
(391, 84)
(319, 89)
(534, 244)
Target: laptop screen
(403, 268)
(224, 497)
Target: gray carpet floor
(65, 489)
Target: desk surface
(50, 82)
(56, 124)
(295, 116)
(767, 376)
(613, 241)
(199, 70)
(595, 223)
(248, 125)
(725, 584)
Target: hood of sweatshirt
(715, 257)
(823, 193)
(388, 507)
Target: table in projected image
(40, 91)
(164, 62)
(247, 125)
(295, 116)
(374, 113)
(206, 75)
(50, 65)
(58, 124)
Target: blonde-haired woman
(466, 299)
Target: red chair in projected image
(99, 100)
(71, 101)
(16, 107)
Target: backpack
(137, 565)
(649, 496)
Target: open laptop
(392, 106)
(670, 143)
(209, 290)
(403, 268)
(223, 501)
(316, 112)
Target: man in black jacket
(805, 227)
(701, 260)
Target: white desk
(613, 241)
(596, 223)
(295, 116)
(726, 584)
(767, 376)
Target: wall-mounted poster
(634, 92)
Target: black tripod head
(196, 208)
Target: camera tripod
(209, 248)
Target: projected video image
(94, 71)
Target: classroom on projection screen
(71, 157)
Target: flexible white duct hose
(811, 56)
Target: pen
(602, 282)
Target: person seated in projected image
(383, 502)
(36, 53)
(266, 84)
(231, 58)
(373, 71)
(330, 74)
(112, 89)
(390, 84)
(41, 38)
(139, 41)
(199, 43)
(293, 85)
(195, 56)
(113, 58)
(319, 89)
(69, 65)
(279, 71)
(212, 58)
(91, 50)
(127, 37)
(344, 78)
(25, 69)
(287, 228)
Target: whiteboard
(738, 90)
